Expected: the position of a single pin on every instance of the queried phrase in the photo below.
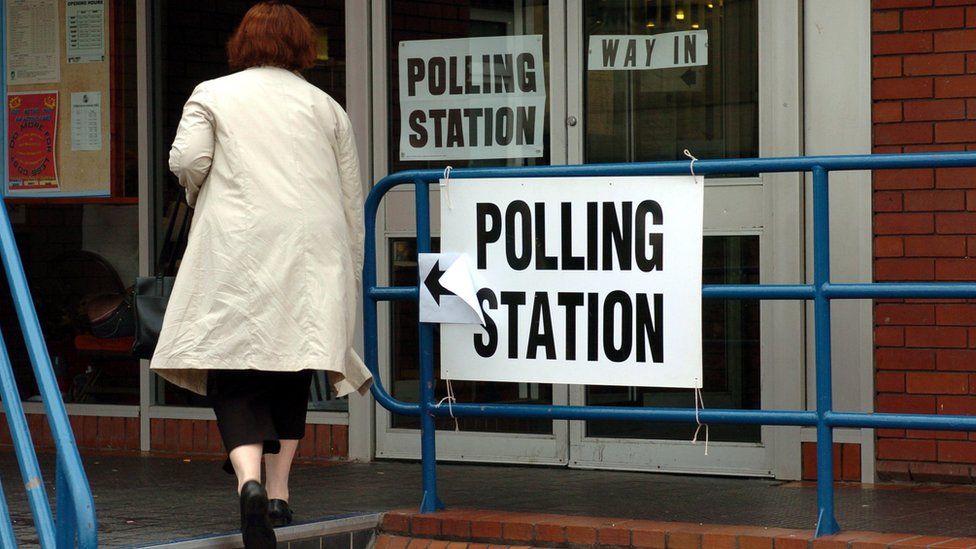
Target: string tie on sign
(450, 399)
(447, 194)
(691, 166)
(699, 403)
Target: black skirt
(257, 406)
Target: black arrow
(689, 77)
(433, 283)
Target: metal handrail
(821, 291)
(76, 507)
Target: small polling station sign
(470, 98)
(586, 280)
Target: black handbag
(110, 315)
(105, 302)
(152, 292)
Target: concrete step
(387, 541)
(471, 529)
(346, 532)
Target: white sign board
(590, 280)
(471, 98)
(669, 50)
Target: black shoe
(280, 512)
(255, 524)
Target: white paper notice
(85, 31)
(86, 121)
(32, 42)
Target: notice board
(58, 51)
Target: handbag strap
(172, 251)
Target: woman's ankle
(242, 482)
(276, 493)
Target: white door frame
(781, 245)
(396, 219)
(358, 85)
(838, 115)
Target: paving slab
(141, 499)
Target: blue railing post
(826, 523)
(67, 525)
(431, 502)
(7, 538)
(57, 415)
(76, 495)
(30, 471)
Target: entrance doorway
(594, 114)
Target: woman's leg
(240, 403)
(246, 460)
(277, 467)
(289, 409)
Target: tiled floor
(143, 499)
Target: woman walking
(268, 286)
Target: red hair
(275, 34)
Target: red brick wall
(847, 461)
(184, 437)
(924, 99)
(91, 433)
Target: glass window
(75, 250)
(410, 21)
(730, 356)
(708, 105)
(643, 115)
(193, 38)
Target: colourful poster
(32, 122)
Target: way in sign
(660, 51)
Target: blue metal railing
(821, 291)
(75, 506)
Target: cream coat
(271, 275)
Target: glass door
(716, 95)
(438, 31)
(649, 89)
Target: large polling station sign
(470, 98)
(593, 280)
